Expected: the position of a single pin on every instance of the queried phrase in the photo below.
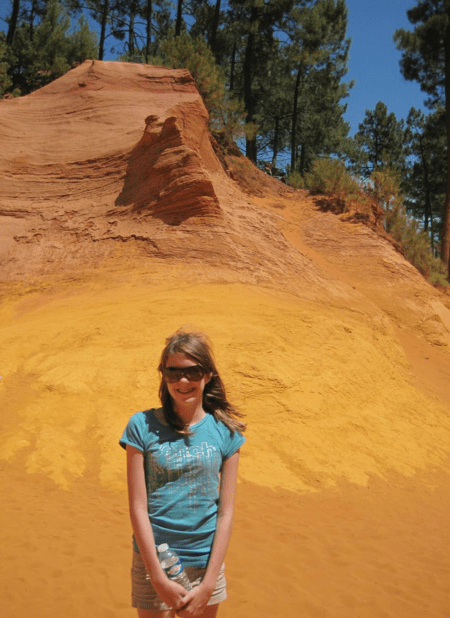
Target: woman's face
(185, 390)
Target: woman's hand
(195, 601)
(170, 592)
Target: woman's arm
(197, 598)
(170, 592)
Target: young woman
(182, 462)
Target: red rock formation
(121, 152)
(77, 137)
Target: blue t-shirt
(182, 477)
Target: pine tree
(210, 21)
(143, 25)
(425, 175)
(28, 12)
(274, 113)
(5, 80)
(380, 140)
(286, 62)
(254, 44)
(45, 51)
(13, 19)
(319, 51)
(107, 13)
(426, 59)
(158, 23)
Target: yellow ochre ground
(335, 421)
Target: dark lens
(194, 373)
(172, 374)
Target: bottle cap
(162, 548)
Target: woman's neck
(190, 415)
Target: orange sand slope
(333, 345)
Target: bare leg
(210, 611)
(154, 613)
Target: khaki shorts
(144, 596)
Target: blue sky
(374, 60)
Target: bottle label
(174, 570)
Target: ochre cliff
(118, 224)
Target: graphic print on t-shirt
(190, 471)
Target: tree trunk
(131, 30)
(445, 240)
(148, 21)
(214, 27)
(377, 154)
(426, 179)
(250, 143)
(428, 220)
(179, 18)
(13, 22)
(275, 141)
(294, 120)
(32, 13)
(232, 65)
(101, 47)
(302, 158)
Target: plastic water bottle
(171, 564)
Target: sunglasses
(194, 373)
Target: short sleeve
(235, 441)
(133, 434)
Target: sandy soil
(343, 497)
(333, 345)
(379, 551)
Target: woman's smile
(185, 391)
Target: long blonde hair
(197, 346)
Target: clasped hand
(171, 593)
(195, 602)
(187, 604)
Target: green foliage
(5, 80)
(317, 57)
(425, 178)
(293, 87)
(82, 44)
(330, 177)
(195, 55)
(439, 279)
(423, 49)
(262, 47)
(47, 51)
(296, 180)
(416, 244)
(426, 59)
(379, 141)
(385, 188)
